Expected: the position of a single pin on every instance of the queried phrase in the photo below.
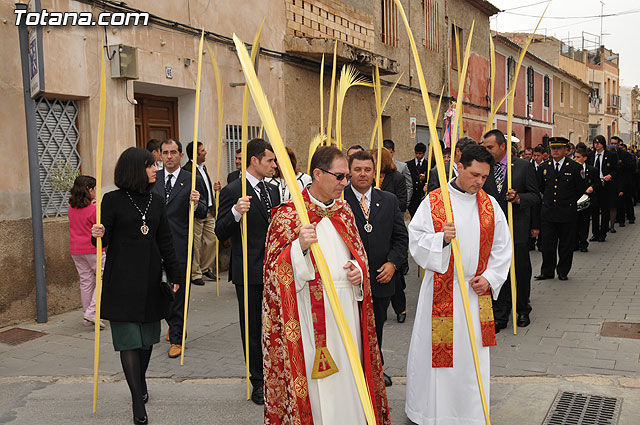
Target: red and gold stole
(442, 314)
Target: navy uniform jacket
(561, 191)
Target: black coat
(257, 225)
(609, 166)
(418, 185)
(389, 239)
(133, 270)
(434, 179)
(234, 175)
(523, 181)
(205, 179)
(560, 193)
(395, 183)
(592, 179)
(178, 208)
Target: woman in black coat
(136, 233)
(392, 180)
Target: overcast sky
(569, 18)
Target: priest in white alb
(441, 381)
(307, 374)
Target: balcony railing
(614, 101)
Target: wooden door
(156, 117)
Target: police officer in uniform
(561, 184)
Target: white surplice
(450, 396)
(334, 399)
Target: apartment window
(389, 23)
(530, 87)
(454, 54)
(58, 157)
(546, 90)
(561, 92)
(432, 39)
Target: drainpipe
(34, 174)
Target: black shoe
(499, 326)
(603, 239)
(543, 277)
(584, 249)
(402, 317)
(142, 420)
(632, 221)
(210, 275)
(621, 225)
(387, 380)
(612, 230)
(523, 320)
(562, 277)
(593, 239)
(257, 396)
(198, 282)
(145, 397)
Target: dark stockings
(134, 365)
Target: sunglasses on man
(338, 176)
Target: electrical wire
(527, 5)
(606, 15)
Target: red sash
(442, 314)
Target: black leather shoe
(543, 277)
(257, 396)
(499, 326)
(632, 221)
(523, 320)
(210, 275)
(602, 239)
(612, 230)
(621, 225)
(145, 397)
(387, 380)
(562, 277)
(198, 282)
(593, 239)
(142, 420)
(402, 317)
(584, 249)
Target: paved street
(47, 380)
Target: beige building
(157, 101)
(604, 107)
(635, 116)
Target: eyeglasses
(338, 176)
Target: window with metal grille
(546, 90)
(511, 71)
(233, 140)
(389, 23)
(432, 38)
(58, 157)
(530, 84)
(454, 51)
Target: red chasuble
(442, 314)
(285, 379)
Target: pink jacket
(80, 222)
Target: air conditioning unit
(124, 62)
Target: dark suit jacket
(257, 225)
(205, 178)
(234, 175)
(592, 179)
(523, 181)
(395, 183)
(561, 191)
(178, 208)
(415, 173)
(609, 166)
(434, 182)
(389, 239)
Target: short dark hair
(464, 142)
(153, 145)
(80, 196)
(388, 143)
(131, 170)
(540, 149)
(361, 156)
(581, 145)
(617, 138)
(499, 135)
(446, 151)
(358, 147)
(190, 150)
(169, 141)
(528, 149)
(476, 153)
(581, 151)
(324, 157)
(256, 147)
(600, 139)
(420, 147)
(239, 150)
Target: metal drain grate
(16, 336)
(571, 408)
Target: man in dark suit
(418, 169)
(261, 198)
(384, 236)
(204, 237)
(626, 168)
(235, 175)
(561, 184)
(434, 181)
(593, 183)
(524, 196)
(606, 163)
(536, 159)
(174, 184)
